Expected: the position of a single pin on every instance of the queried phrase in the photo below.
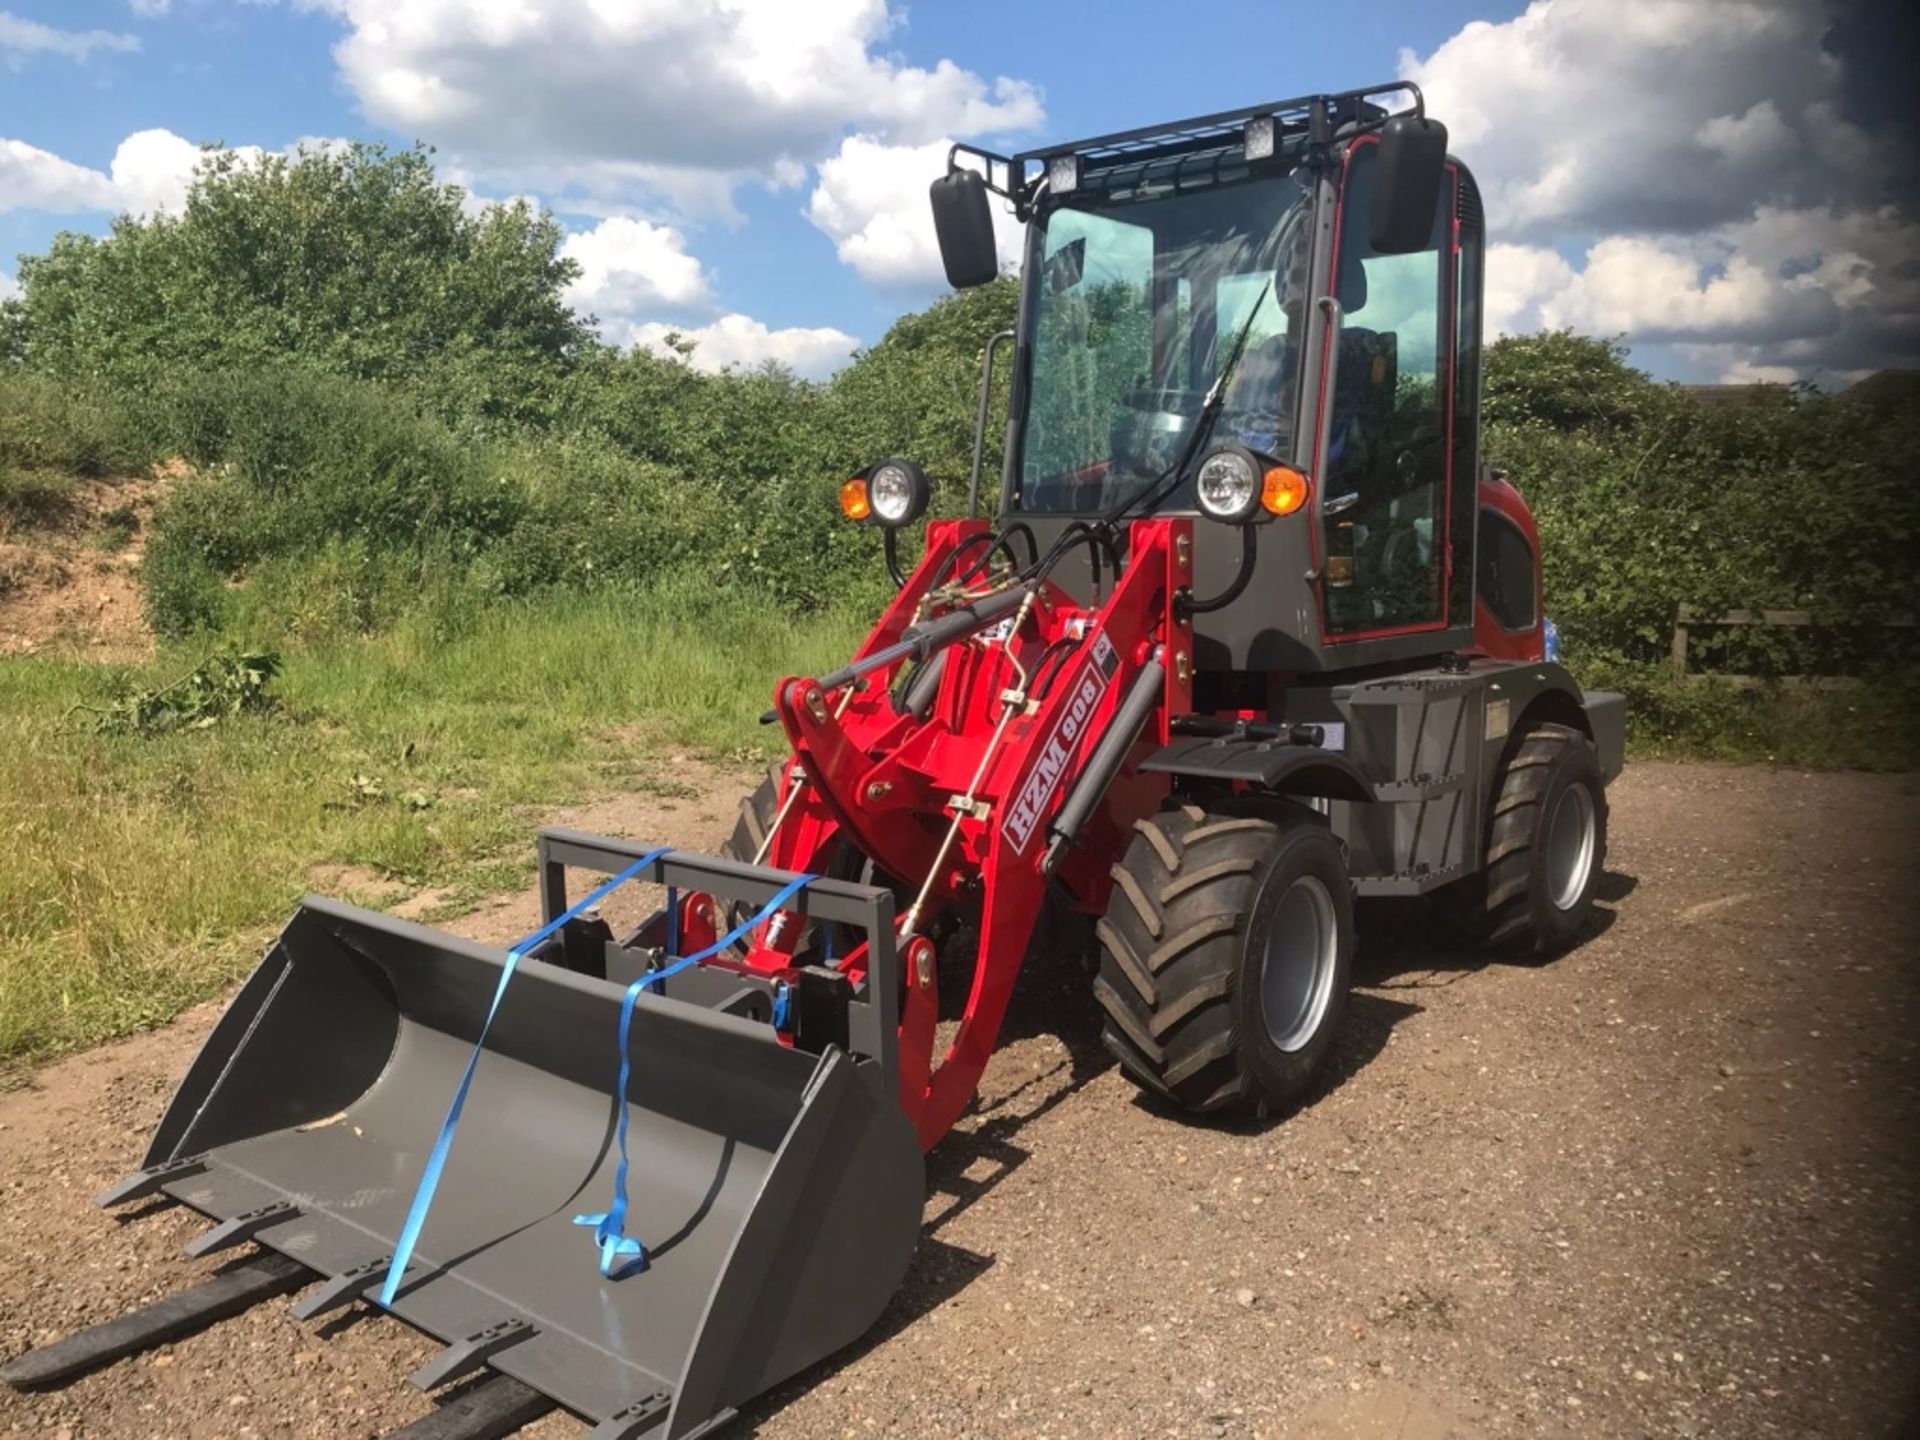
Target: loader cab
(1154, 257)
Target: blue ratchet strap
(621, 1253)
(436, 1162)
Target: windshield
(1137, 302)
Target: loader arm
(962, 803)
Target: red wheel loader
(1252, 635)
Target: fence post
(1680, 623)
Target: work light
(1228, 485)
(891, 492)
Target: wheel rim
(1570, 846)
(1296, 968)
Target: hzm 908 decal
(1088, 686)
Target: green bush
(353, 260)
(1649, 501)
(54, 432)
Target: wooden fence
(1689, 620)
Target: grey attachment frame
(874, 1018)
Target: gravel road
(1664, 1185)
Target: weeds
(218, 687)
(145, 872)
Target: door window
(1383, 497)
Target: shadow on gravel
(1404, 947)
(1053, 996)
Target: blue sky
(1702, 176)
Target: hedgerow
(390, 409)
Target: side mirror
(964, 225)
(1406, 187)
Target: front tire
(1226, 956)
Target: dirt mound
(71, 587)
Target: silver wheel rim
(1570, 846)
(1297, 962)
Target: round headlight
(898, 491)
(1228, 485)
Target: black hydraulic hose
(998, 546)
(1080, 532)
(1226, 597)
(1053, 656)
(952, 558)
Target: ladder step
(172, 1317)
(492, 1410)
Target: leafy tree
(351, 259)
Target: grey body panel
(779, 1193)
(1423, 746)
(1432, 740)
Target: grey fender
(1275, 765)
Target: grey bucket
(779, 1193)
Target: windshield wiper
(1164, 483)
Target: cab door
(1386, 483)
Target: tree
(351, 259)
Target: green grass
(143, 875)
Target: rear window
(1506, 578)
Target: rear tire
(1546, 846)
(1226, 954)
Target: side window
(1505, 575)
(1383, 497)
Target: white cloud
(738, 340)
(35, 179)
(1745, 372)
(153, 170)
(1655, 115)
(1518, 278)
(9, 287)
(686, 98)
(1697, 156)
(871, 200)
(150, 9)
(1657, 291)
(628, 264)
(20, 37)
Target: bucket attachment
(778, 1192)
